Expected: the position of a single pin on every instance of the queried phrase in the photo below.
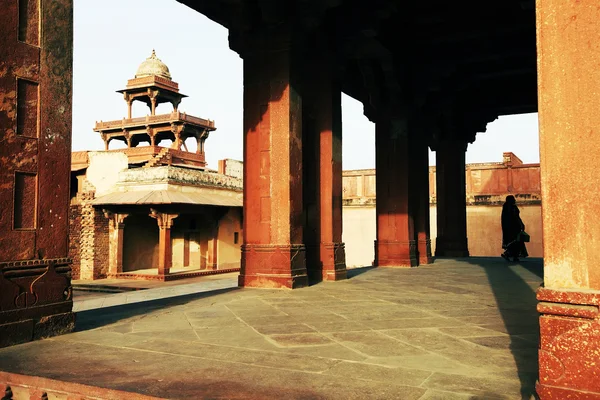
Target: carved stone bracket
(116, 220)
(164, 220)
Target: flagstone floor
(457, 329)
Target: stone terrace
(462, 329)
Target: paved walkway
(146, 290)
(452, 330)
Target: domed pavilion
(153, 85)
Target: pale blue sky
(113, 37)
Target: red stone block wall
(101, 244)
(75, 239)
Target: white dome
(153, 66)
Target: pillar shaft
(451, 200)
(164, 250)
(116, 240)
(395, 244)
(273, 253)
(569, 123)
(153, 105)
(165, 255)
(420, 163)
(322, 155)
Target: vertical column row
(292, 167)
(451, 199)
(322, 154)
(395, 209)
(273, 253)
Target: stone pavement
(462, 329)
(83, 301)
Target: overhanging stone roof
(223, 198)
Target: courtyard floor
(457, 329)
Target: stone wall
(88, 236)
(75, 238)
(488, 184)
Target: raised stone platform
(454, 330)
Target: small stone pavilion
(147, 211)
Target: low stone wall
(16, 387)
(483, 229)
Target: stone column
(451, 199)
(116, 237)
(568, 76)
(322, 156)
(395, 245)
(420, 186)
(273, 253)
(213, 248)
(153, 105)
(165, 257)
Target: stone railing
(175, 116)
(149, 80)
(168, 174)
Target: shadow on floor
(91, 319)
(352, 272)
(514, 285)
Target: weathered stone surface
(35, 146)
(16, 332)
(145, 347)
(53, 325)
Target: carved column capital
(164, 220)
(116, 220)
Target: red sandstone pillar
(568, 76)
(35, 149)
(451, 199)
(420, 163)
(165, 257)
(116, 237)
(395, 244)
(273, 253)
(322, 156)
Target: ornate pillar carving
(176, 103)
(451, 196)
(322, 160)
(127, 137)
(153, 95)
(569, 302)
(152, 135)
(395, 245)
(129, 101)
(165, 222)
(116, 236)
(273, 253)
(106, 140)
(176, 129)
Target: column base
(35, 300)
(456, 248)
(326, 262)
(273, 266)
(569, 343)
(334, 261)
(424, 251)
(396, 254)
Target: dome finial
(153, 66)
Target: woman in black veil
(512, 226)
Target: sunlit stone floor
(463, 329)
